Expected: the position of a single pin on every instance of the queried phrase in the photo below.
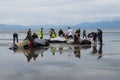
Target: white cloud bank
(36, 12)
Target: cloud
(35, 12)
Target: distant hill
(20, 27)
(103, 25)
(12, 27)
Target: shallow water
(61, 61)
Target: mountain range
(103, 25)
(92, 25)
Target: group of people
(31, 36)
(69, 35)
(77, 34)
(96, 36)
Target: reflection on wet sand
(55, 49)
(32, 53)
(69, 49)
(60, 50)
(96, 51)
(77, 51)
(100, 52)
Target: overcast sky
(40, 12)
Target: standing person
(29, 33)
(79, 32)
(15, 37)
(70, 33)
(76, 37)
(100, 35)
(41, 33)
(84, 34)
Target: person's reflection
(77, 51)
(30, 54)
(42, 55)
(39, 51)
(70, 50)
(100, 52)
(94, 51)
(60, 50)
(53, 49)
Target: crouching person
(15, 37)
(53, 34)
(31, 40)
(34, 36)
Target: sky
(58, 12)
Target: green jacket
(41, 33)
(53, 35)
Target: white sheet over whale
(58, 39)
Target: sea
(61, 61)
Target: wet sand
(62, 61)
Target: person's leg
(100, 40)
(85, 36)
(17, 39)
(13, 39)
